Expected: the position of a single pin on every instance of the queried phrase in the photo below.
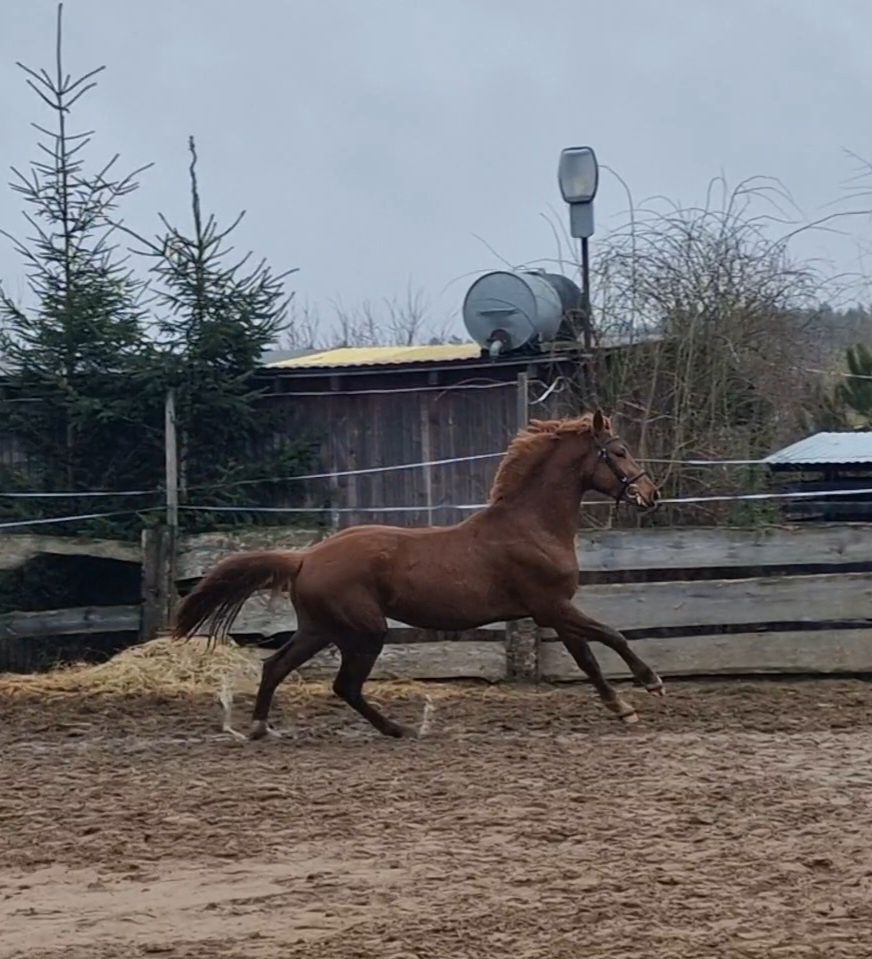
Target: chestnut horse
(513, 559)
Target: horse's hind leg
(359, 654)
(298, 650)
(587, 663)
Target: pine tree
(855, 393)
(214, 319)
(69, 350)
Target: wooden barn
(826, 461)
(374, 407)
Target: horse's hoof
(623, 711)
(657, 688)
(238, 736)
(259, 730)
(399, 731)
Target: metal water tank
(505, 311)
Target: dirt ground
(735, 820)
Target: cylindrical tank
(504, 311)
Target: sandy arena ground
(734, 821)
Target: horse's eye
(621, 453)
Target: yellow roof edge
(380, 355)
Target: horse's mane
(526, 451)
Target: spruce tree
(855, 393)
(70, 349)
(214, 318)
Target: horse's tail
(216, 600)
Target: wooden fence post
(156, 572)
(171, 462)
(522, 651)
(522, 636)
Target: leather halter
(625, 481)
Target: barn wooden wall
(367, 431)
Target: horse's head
(584, 448)
(610, 468)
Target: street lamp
(578, 176)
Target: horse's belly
(452, 609)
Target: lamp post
(578, 176)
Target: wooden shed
(377, 407)
(823, 462)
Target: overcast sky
(370, 141)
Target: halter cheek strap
(625, 481)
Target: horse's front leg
(599, 632)
(570, 628)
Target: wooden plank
(613, 550)
(824, 652)
(472, 660)
(776, 599)
(62, 622)
(199, 554)
(598, 551)
(19, 548)
(638, 606)
(258, 617)
(426, 455)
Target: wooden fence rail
(693, 601)
(691, 549)
(31, 639)
(65, 622)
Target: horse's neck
(548, 501)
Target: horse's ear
(599, 421)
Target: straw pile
(167, 667)
(163, 666)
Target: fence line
(845, 374)
(803, 494)
(80, 516)
(405, 389)
(492, 385)
(726, 498)
(92, 494)
(358, 472)
(672, 501)
(372, 470)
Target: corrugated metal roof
(824, 448)
(380, 356)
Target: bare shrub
(722, 321)
(405, 320)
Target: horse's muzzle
(644, 495)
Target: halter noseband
(625, 481)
